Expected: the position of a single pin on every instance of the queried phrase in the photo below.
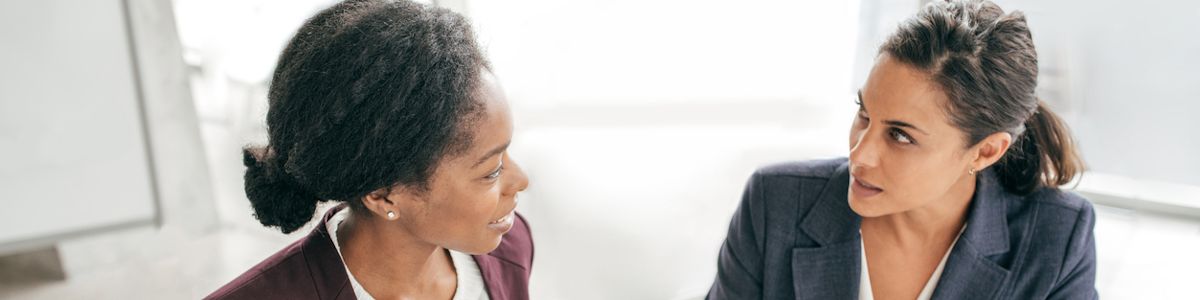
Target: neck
(938, 222)
(391, 262)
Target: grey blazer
(794, 237)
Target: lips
(863, 188)
(866, 184)
(504, 224)
(507, 218)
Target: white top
(864, 285)
(470, 280)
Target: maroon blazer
(312, 269)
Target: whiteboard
(73, 155)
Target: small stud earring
(391, 215)
(972, 171)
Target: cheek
(919, 177)
(910, 188)
(476, 204)
(459, 220)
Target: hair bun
(278, 200)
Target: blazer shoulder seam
(257, 276)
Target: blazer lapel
(832, 270)
(505, 270)
(504, 279)
(325, 264)
(827, 272)
(969, 274)
(489, 267)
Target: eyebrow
(905, 125)
(895, 123)
(489, 154)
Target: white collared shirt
(864, 282)
(470, 280)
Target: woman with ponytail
(390, 109)
(952, 187)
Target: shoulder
(813, 169)
(1062, 201)
(1055, 234)
(790, 184)
(1059, 213)
(783, 193)
(275, 276)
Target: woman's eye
(496, 174)
(901, 137)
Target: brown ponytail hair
(1043, 156)
(985, 62)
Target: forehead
(493, 127)
(895, 90)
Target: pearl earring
(391, 215)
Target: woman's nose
(864, 152)
(519, 180)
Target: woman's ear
(388, 202)
(990, 150)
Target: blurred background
(121, 123)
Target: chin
(865, 210)
(483, 247)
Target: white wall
(73, 143)
(639, 121)
(1127, 74)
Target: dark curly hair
(985, 62)
(367, 95)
